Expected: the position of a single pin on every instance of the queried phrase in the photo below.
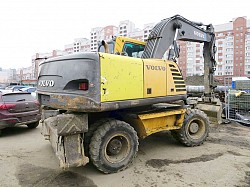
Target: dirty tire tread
(88, 135)
(180, 134)
(97, 139)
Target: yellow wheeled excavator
(96, 105)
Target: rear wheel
(88, 135)
(33, 125)
(113, 146)
(194, 130)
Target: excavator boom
(165, 34)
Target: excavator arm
(164, 36)
(168, 31)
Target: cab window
(133, 50)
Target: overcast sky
(38, 26)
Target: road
(26, 159)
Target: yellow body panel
(121, 77)
(147, 124)
(154, 78)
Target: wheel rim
(117, 148)
(196, 128)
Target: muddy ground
(26, 159)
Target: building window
(229, 56)
(229, 43)
(229, 49)
(220, 34)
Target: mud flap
(65, 133)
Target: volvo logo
(157, 68)
(201, 35)
(46, 83)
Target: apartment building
(7, 76)
(101, 33)
(94, 38)
(137, 34)
(79, 45)
(126, 27)
(147, 29)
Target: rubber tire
(88, 135)
(100, 139)
(33, 125)
(183, 136)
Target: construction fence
(237, 106)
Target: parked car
(28, 89)
(19, 108)
(31, 90)
(15, 88)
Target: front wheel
(113, 146)
(194, 130)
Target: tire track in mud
(233, 141)
(158, 163)
(231, 134)
(34, 176)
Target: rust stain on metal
(78, 103)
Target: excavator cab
(122, 46)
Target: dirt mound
(198, 80)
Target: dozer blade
(213, 111)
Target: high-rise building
(137, 34)
(233, 41)
(95, 36)
(126, 27)
(7, 76)
(147, 29)
(101, 33)
(79, 45)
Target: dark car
(18, 109)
